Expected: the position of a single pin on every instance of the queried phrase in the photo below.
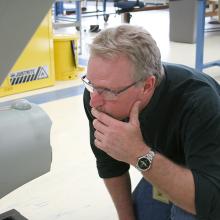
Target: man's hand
(121, 140)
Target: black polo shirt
(182, 122)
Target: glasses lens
(108, 95)
(89, 87)
(87, 84)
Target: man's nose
(96, 100)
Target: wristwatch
(144, 162)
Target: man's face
(113, 74)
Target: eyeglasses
(108, 94)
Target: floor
(72, 189)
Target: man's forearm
(124, 142)
(174, 181)
(120, 191)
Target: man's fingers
(98, 135)
(134, 113)
(99, 126)
(97, 143)
(102, 117)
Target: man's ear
(149, 84)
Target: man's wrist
(143, 150)
(144, 162)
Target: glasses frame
(115, 92)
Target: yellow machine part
(35, 67)
(66, 57)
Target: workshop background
(47, 169)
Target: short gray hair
(134, 42)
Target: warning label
(30, 75)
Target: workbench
(200, 29)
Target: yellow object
(35, 67)
(159, 196)
(66, 57)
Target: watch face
(143, 163)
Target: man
(162, 119)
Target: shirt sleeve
(201, 135)
(107, 166)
